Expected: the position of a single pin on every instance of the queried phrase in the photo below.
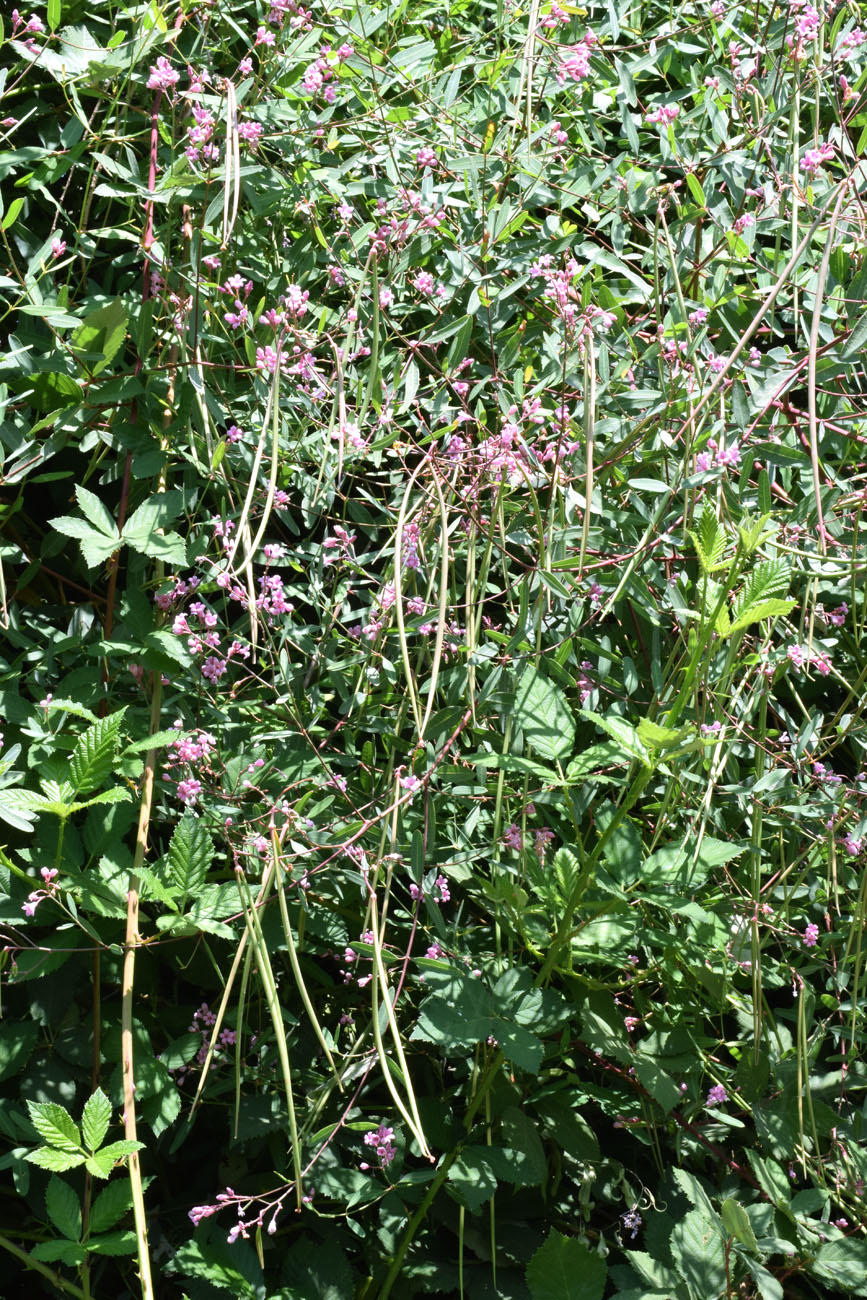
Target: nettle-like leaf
(55, 1125)
(145, 530)
(110, 1205)
(190, 854)
(124, 1242)
(762, 595)
(698, 1253)
(92, 759)
(57, 1161)
(95, 1119)
(542, 712)
(101, 1163)
(63, 1252)
(100, 336)
(710, 540)
(565, 1269)
(63, 1208)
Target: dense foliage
(434, 770)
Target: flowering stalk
(132, 941)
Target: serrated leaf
(472, 1181)
(656, 737)
(63, 1208)
(111, 1204)
(65, 1252)
(737, 1224)
(51, 1158)
(710, 540)
(159, 740)
(99, 1165)
(95, 512)
(768, 609)
(115, 794)
(622, 732)
(17, 1041)
(542, 712)
(698, 1254)
(95, 1119)
(116, 1150)
(190, 854)
(100, 336)
(92, 759)
(842, 1264)
(768, 581)
(114, 1243)
(55, 1125)
(565, 1269)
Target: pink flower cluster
(575, 60)
(813, 159)
(162, 76)
(49, 875)
(722, 457)
(819, 659)
(382, 1141)
(664, 114)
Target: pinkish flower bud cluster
(49, 876)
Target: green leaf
(112, 1204)
(11, 214)
(95, 1119)
(766, 609)
(50, 1158)
(190, 854)
(145, 530)
(63, 1208)
(472, 1181)
(17, 1041)
(660, 1085)
(710, 540)
(699, 1257)
(622, 732)
(209, 1262)
(92, 759)
(842, 1265)
(53, 13)
(542, 712)
(737, 1224)
(95, 512)
(55, 1125)
(65, 1252)
(116, 1150)
(100, 336)
(565, 1269)
(114, 1243)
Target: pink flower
(264, 37)
(811, 935)
(250, 131)
(664, 114)
(575, 61)
(717, 1095)
(58, 246)
(813, 159)
(163, 75)
(424, 282)
(189, 790)
(513, 839)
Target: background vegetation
(433, 658)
